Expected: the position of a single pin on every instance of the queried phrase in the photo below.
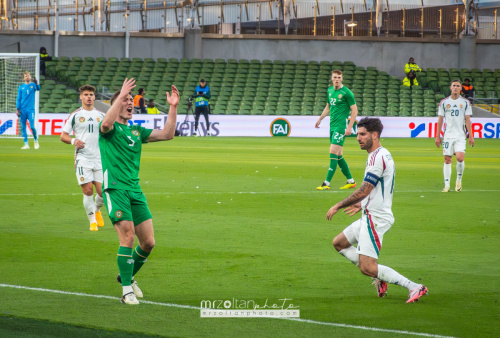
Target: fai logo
(416, 130)
(280, 127)
(82, 119)
(119, 214)
(136, 132)
(340, 96)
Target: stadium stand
(258, 87)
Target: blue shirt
(202, 101)
(26, 97)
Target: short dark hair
(87, 88)
(466, 79)
(203, 80)
(151, 104)
(141, 91)
(115, 95)
(372, 124)
(456, 80)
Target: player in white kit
(84, 122)
(374, 199)
(457, 111)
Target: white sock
(389, 275)
(326, 183)
(89, 205)
(350, 181)
(447, 174)
(99, 202)
(460, 170)
(127, 289)
(351, 254)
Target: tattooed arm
(353, 199)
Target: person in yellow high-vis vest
(411, 66)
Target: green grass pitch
(240, 218)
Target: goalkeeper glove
(35, 80)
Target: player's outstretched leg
(334, 159)
(347, 173)
(391, 276)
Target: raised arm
(119, 104)
(168, 131)
(326, 111)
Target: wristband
(72, 141)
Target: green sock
(140, 257)
(333, 166)
(344, 168)
(125, 264)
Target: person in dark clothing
(44, 56)
(467, 89)
(139, 102)
(202, 95)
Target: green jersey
(121, 156)
(340, 102)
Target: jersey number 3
(133, 142)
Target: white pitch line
(248, 192)
(358, 327)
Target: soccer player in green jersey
(340, 105)
(120, 145)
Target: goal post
(12, 68)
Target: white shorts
(453, 145)
(368, 233)
(88, 172)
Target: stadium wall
(387, 54)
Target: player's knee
(337, 243)
(148, 245)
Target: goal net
(12, 68)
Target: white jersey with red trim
(85, 124)
(381, 172)
(454, 112)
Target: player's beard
(367, 144)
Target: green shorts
(337, 136)
(126, 205)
